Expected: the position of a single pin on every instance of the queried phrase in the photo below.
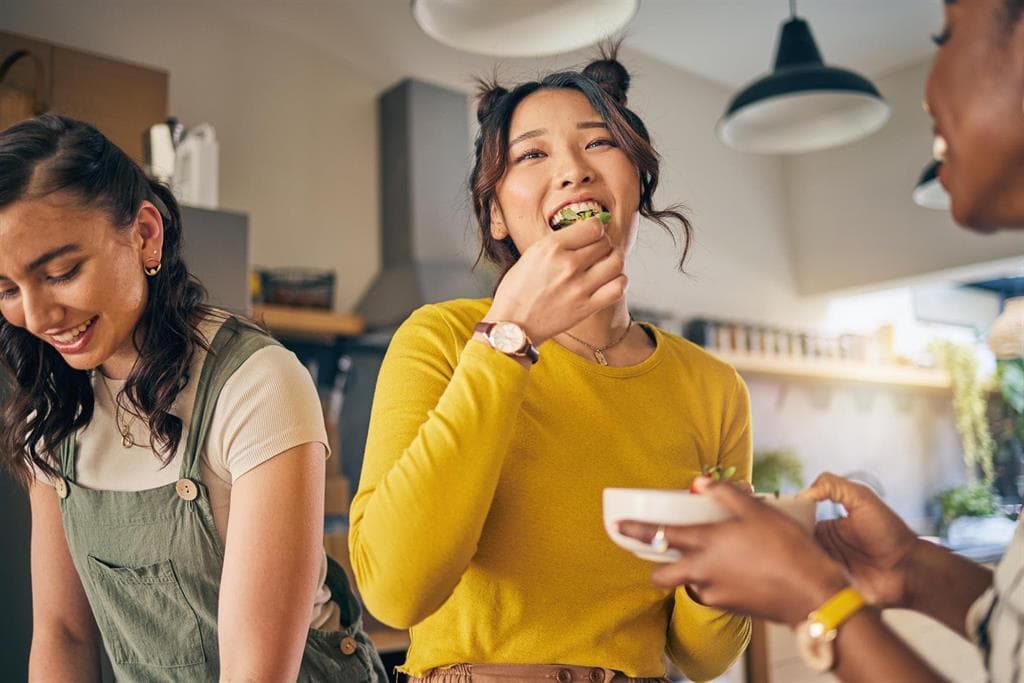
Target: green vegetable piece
(605, 217)
(568, 215)
(716, 473)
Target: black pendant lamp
(929, 192)
(802, 105)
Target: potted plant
(967, 508)
(1006, 416)
(775, 470)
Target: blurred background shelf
(289, 320)
(837, 371)
(388, 640)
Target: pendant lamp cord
(792, 9)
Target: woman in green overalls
(174, 454)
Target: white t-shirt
(1003, 608)
(268, 406)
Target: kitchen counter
(982, 554)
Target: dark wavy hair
(604, 83)
(49, 400)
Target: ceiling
(732, 41)
(726, 41)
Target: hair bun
(489, 93)
(611, 76)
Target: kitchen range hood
(428, 239)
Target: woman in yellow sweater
(497, 423)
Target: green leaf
(605, 217)
(729, 471)
(967, 500)
(773, 469)
(1011, 382)
(568, 215)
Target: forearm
(246, 663)
(63, 658)
(944, 585)
(265, 646)
(867, 651)
(274, 555)
(428, 482)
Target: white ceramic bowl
(657, 506)
(669, 506)
(803, 510)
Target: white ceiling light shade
(522, 28)
(929, 192)
(802, 105)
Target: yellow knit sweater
(478, 517)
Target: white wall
(903, 438)
(853, 221)
(296, 127)
(741, 263)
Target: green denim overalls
(150, 561)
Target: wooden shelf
(308, 321)
(837, 371)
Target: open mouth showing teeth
(74, 333)
(579, 211)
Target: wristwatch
(508, 338)
(815, 635)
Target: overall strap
(233, 344)
(66, 455)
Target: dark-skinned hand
(872, 542)
(760, 562)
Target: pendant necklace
(598, 351)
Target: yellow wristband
(834, 612)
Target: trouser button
(348, 645)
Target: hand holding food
(759, 562)
(562, 279)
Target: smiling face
(71, 279)
(562, 155)
(975, 94)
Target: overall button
(564, 676)
(348, 645)
(596, 675)
(61, 485)
(187, 489)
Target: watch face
(508, 337)
(818, 653)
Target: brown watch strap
(528, 350)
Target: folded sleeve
(268, 406)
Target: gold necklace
(124, 428)
(598, 351)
